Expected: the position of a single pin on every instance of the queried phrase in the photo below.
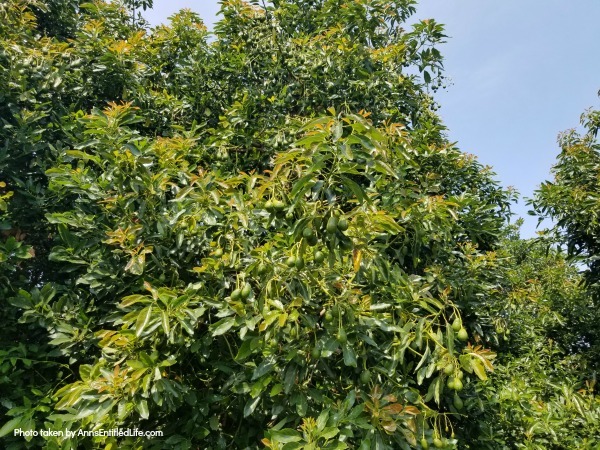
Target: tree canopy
(262, 237)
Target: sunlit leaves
(262, 236)
(258, 298)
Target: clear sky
(521, 72)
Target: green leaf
(423, 358)
(222, 326)
(465, 363)
(276, 390)
(10, 426)
(289, 378)
(338, 129)
(136, 264)
(260, 385)
(142, 320)
(349, 355)
(132, 299)
(478, 368)
(386, 223)
(82, 155)
(142, 408)
(329, 433)
(301, 185)
(450, 339)
(318, 121)
(251, 405)
(354, 187)
(264, 367)
(136, 364)
(246, 349)
(285, 435)
(166, 323)
(322, 419)
(21, 301)
(301, 405)
(385, 168)
(311, 139)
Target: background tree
(570, 200)
(543, 392)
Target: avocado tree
(570, 200)
(263, 239)
(543, 392)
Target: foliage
(543, 393)
(570, 201)
(256, 238)
(570, 198)
(166, 220)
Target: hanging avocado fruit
(342, 224)
(450, 383)
(262, 269)
(278, 205)
(332, 224)
(458, 403)
(308, 232)
(274, 205)
(341, 336)
(455, 384)
(246, 290)
(457, 324)
(319, 257)
(462, 335)
(291, 261)
(449, 369)
(315, 353)
(335, 310)
(310, 236)
(365, 376)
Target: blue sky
(521, 72)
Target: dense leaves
(238, 253)
(260, 238)
(570, 198)
(571, 201)
(542, 394)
